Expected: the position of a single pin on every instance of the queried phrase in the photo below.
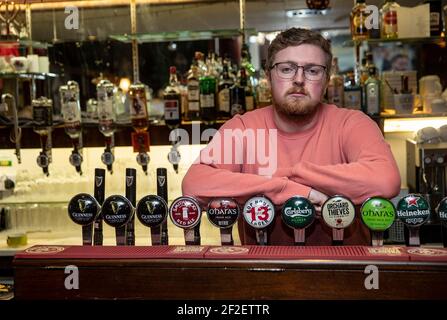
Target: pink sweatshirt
(344, 153)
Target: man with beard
(313, 149)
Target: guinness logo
(129, 180)
(99, 181)
(82, 204)
(115, 206)
(150, 207)
(161, 180)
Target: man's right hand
(318, 199)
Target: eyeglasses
(288, 70)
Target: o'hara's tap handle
(17, 134)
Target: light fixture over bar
(61, 4)
(306, 13)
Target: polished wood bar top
(233, 272)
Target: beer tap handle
(99, 194)
(162, 191)
(131, 191)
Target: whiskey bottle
(335, 90)
(172, 100)
(389, 19)
(225, 84)
(357, 20)
(193, 104)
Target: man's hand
(318, 199)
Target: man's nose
(299, 76)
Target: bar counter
(235, 272)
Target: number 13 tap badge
(259, 212)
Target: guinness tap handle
(131, 193)
(162, 191)
(99, 194)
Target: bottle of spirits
(138, 107)
(357, 20)
(389, 19)
(105, 92)
(193, 104)
(140, 123)
(335, 90)
(436, 23)
(43, 121)
(223, 105)
(263, 91)
(237, 98)
(71, 112)
(208, 88)
(372, 93)
(249, 94)
(172, 100)
(353, 93)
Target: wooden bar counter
(237, 272)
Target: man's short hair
(295, 37)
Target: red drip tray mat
(389, 253)
(307, 253)
(427, 254)
(112, 252)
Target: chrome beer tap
(16, 134)
(105, 91)
(71, 112)
(43, 122)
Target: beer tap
(71, 112)
(17, 130)
(107, 117)
(43, 121)
(172, 102)
(140, 123)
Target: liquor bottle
(335, 90)
(364, 75)
(43, 122)
(172, 100)
(353, 93)
(357, 21)
(193, 109)
(138, 107)
(249, 94)
(105, 92)
(140, 123)
(237, 98)
(71, 112)
(389, 19)
(223, 105)
(207, 84)
(436, 23)
(372, 93)
(263, 91)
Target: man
(318, 150)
